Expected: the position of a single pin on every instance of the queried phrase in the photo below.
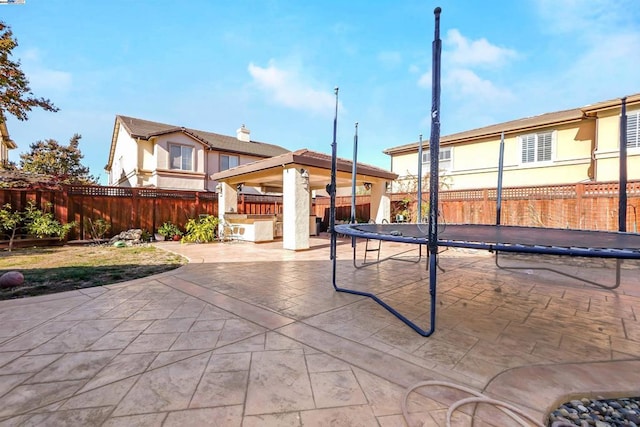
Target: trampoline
(497, 238)
(507, 238)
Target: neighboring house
(6, 142)
(145, 153)
(577, 145)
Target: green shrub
(96, 228)
(33, 221)
(168, 230)
(202, 230)
(43, 224)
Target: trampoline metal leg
(572, 276)
(378, 261)
(396, 313)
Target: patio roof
(267, 173)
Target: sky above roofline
(272, 65)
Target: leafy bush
(33, 221)
(202, 230)
(168, 230)
(97, 228)
(10, 222)
(43, 224)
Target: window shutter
(544, 147)
(633, 134)
(528, 148)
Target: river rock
(11, 279)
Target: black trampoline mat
(501, 235)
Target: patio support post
(380, 207)
(227, 202)
(295, 202)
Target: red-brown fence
(592, 206)
(125, 208)
(581, 206)
(343, 208)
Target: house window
(181, 157)
(228, 162)
(444, 158)
(536, 147)
(633, 129)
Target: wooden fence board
(581, 206)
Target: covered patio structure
(295, 175)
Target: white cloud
(425, 80)
(289, 88)
(390, 58)
(602, 60)
(42, 78)
(465, 83)
(465, 52)
(585, 19)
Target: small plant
(202, 230)
(10, 222)
(43, 224)
(169, 230)
(96, 228)
(33, 221)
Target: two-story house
(145, 153)
(6, 143)
(563, 147)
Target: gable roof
(304, 157)
(267, 173)
(520, 125)
(146, 129)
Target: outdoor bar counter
(252, 228)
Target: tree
(16, 97)
(48, 157)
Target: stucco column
(227, 201)
(380, 207)
(295, 204)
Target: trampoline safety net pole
(331, 188)
(500, 170)
(434, 150)
(354, 172)
(622, 195)
(419, 189)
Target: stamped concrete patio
(254, 335)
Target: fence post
(135, 204)
(485, 207)
(579, 204)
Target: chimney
(243, 134)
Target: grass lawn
(62, 268)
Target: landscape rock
(129, 237)
(11, 279)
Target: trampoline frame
(432, 240)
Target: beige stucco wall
(146, 163)
(608, 152)
(124, 160)
(475, 164)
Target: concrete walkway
(254, 335)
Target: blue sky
(272, 65)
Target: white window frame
(633, 129)
(536, 148)
(229, 156)
(445, 156)
(185, 158)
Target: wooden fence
(592, 206)
(581, 206)
(125, 208)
